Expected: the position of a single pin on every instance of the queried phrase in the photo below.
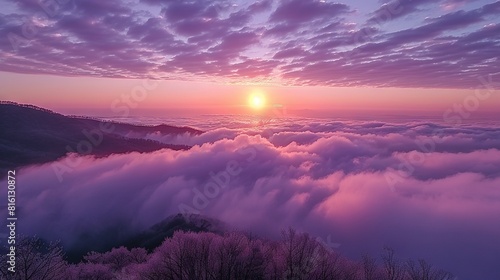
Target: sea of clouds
(428, 190)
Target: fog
(428, 190)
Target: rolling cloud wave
(426, 189)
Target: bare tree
(226, 253)
(327, 264)
(118, 258)
(237, 257)
(37, 260)
(369, 268)
(424, 271)
(394, 270)
(90, 271)
(299, 254)
(184, 256)
(350, 271)
(274, 267)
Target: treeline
(29, 106)
(207, 256)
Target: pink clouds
(296, 42)
(328, 179)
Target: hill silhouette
(154, 236)
(148, 239)
(33, 135)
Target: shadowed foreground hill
(33, 135)
(153, 237)
(149, 239)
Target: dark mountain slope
(31, 135)
(148, 239)
(153, 237)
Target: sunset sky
(358, 55)
(368, 123)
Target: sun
(257, 101)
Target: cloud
(305, 11)
(429, 190)
(326, 43)
(448, 5)
(395, 9)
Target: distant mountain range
(33, 135)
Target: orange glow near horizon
(98, 96)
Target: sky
(427, 187)
(79, 56)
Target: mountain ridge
(35, 135)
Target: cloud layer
(443, 44)
(428, 190)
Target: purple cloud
(425, 189)
(396, 8)
(301, 11)
(301, 42)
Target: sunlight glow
(257, 100)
